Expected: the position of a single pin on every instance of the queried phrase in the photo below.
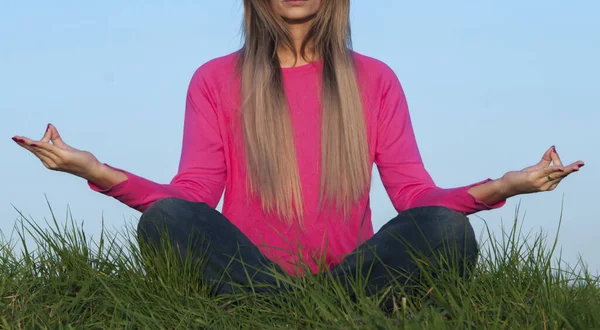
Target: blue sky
(491, 85)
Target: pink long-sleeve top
(211, 162)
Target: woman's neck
(298, 32)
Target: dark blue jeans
(428, 233)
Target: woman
(289, 127)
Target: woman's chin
(298, 17)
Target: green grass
(67, 280)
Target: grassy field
(66, 280)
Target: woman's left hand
(543, 176)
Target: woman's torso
(325, 234)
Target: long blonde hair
(267, 128)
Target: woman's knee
(452, 222)
(174, 216)
(446, 228)
(456, 233)
(162, 215)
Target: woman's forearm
(104, 176)
(491, 192)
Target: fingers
(544, 162)
(571, 168)
(51, 150)
(546, 158)
(40, 148)
(51, 138)
(550, 182)
(548, 176)
(47, 134)
(555, 176)
(38, 144)
(47, 158)
(39, 151)
(555, 158)
(550, 185)
(553, 179)
(55, 137)
(550, 170)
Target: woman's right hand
(56, 155)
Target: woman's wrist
(104, 176)
(504, 188)
(493, 191)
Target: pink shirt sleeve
(407, 182)
(202, 170)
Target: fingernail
(34, 145)
(20, 140)
(14, 139)
(575, 170)
(47, 127)
(581, 165)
